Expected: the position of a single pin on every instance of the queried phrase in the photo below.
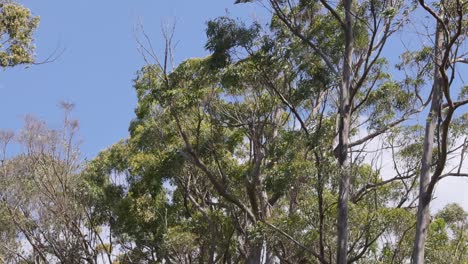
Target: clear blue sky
(100, 60)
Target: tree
(244, 145)
(17, 26)
(247, 145)
(449, 38)
(42, 201)
(352, 56)
(447, 238)
(266, 151)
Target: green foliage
(224, 34)
(448, 236)
(17, 25)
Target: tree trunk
(268, 255)
(343, 198)
(425, 176)
(255, 254)
(319, 189)
(344, 125)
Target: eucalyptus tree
(254, 145)
(221, 128)
(441, 135)
(448, 236)
(352, 58)
(17, 26)
(251, 139)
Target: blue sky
(100, 59)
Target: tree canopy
(17, 26)
(269, 150)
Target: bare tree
(44, 202)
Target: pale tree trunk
(425, 194)
(269, 257)
(343, 134)
(260, 251)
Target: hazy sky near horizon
(100, 59)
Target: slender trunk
(266, 213)
(257, 247)
(320, 208)
(425, 176)
(255, 254)
(343, 198)
(344, 125)
(212, 252)
(201, 259)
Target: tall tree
(353, 55)
(344, 126)
(450, 20)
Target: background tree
(450, 20)
(42, 203)
(17, 26)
